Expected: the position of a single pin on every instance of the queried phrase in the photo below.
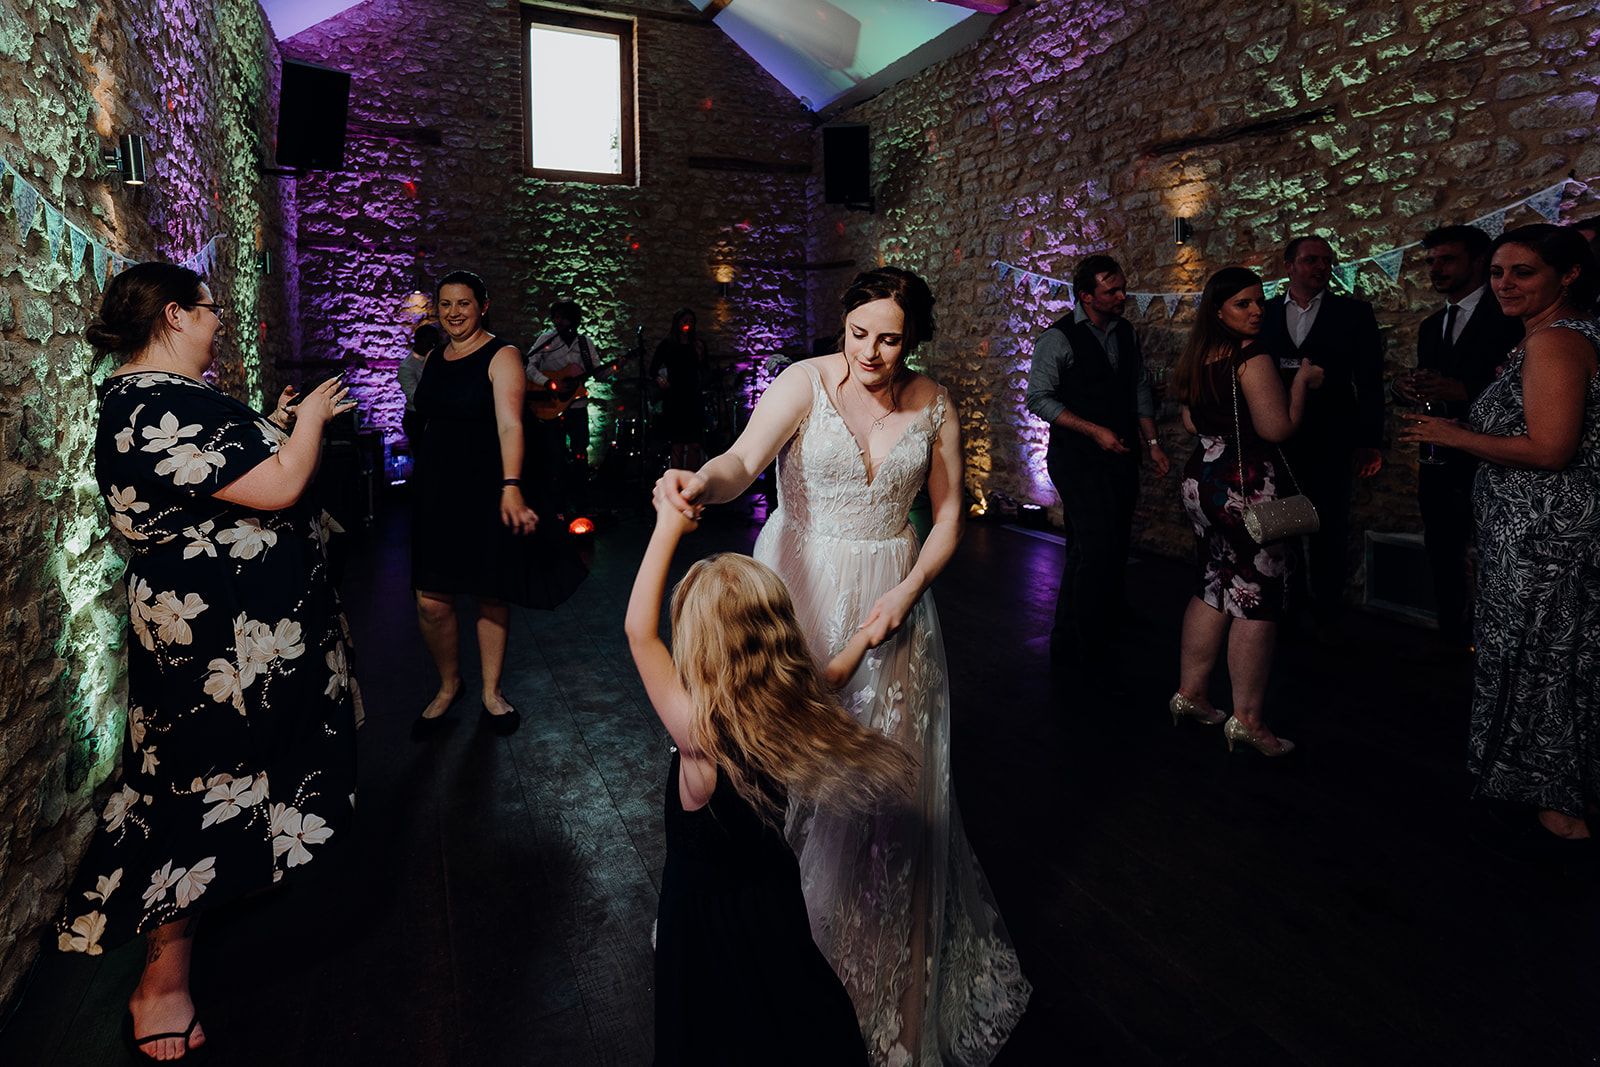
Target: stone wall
(1078, 126)
(196, 79)
(434, 180)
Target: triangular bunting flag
(1005, 270)
(25, 202)
(1346, 273)
(118, 264)
(1055, 290)
(1493, 224)
(1172, 300)
(1142, 301)
(1389, 262)
(1547, 202)
(101, 256)
(53, 226)
(77, 243)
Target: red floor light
(580, 526)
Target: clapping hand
(325, 402)
(284, 412)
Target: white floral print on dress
(124, 436)
(199, 540)
(248, 539)
(164, 436)
(194, 881)
(188, 465)
(85, 934)
(172, 616)
(294, 831)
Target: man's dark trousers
(1325, 472)
(1098, 490)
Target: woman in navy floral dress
(1536, 702)
(239, 762)
(1233, 399)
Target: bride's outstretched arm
(776, 416)
(949, 519)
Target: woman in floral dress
(239, 763)
(1536, 498)
(1233, 399)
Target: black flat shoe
(423, 727)
(504, 725)
(136, 1044)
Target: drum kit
(636, 451)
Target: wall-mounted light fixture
(264, 260)
(126, 159)
(724, 275)
(1182, 231)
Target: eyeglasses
(216, 309)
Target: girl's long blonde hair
(760, 707)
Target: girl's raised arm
(643, 627)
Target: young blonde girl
(738, 978)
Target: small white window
(578, 97)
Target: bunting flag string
(26, 202)
(101, 255)
(54, 223)
(77, 244)
(1545, 202)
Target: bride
(897, 902)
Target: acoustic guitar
(552, 401)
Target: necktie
(1450, 311)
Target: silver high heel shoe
(1181, 706)
(1234, 730)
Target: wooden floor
(1172, 904)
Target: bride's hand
(680, 490)
(888, 615)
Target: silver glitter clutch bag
(1272, 520)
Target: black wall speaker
(312, 107)
(847, 165)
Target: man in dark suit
(1458, 348)
(1342, 432)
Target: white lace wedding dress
(898, 903)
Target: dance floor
(1172, 904)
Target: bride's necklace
(877, 423)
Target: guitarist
(558, 365)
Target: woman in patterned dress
(239, 762)
(1233, 399)
(1536, 701)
